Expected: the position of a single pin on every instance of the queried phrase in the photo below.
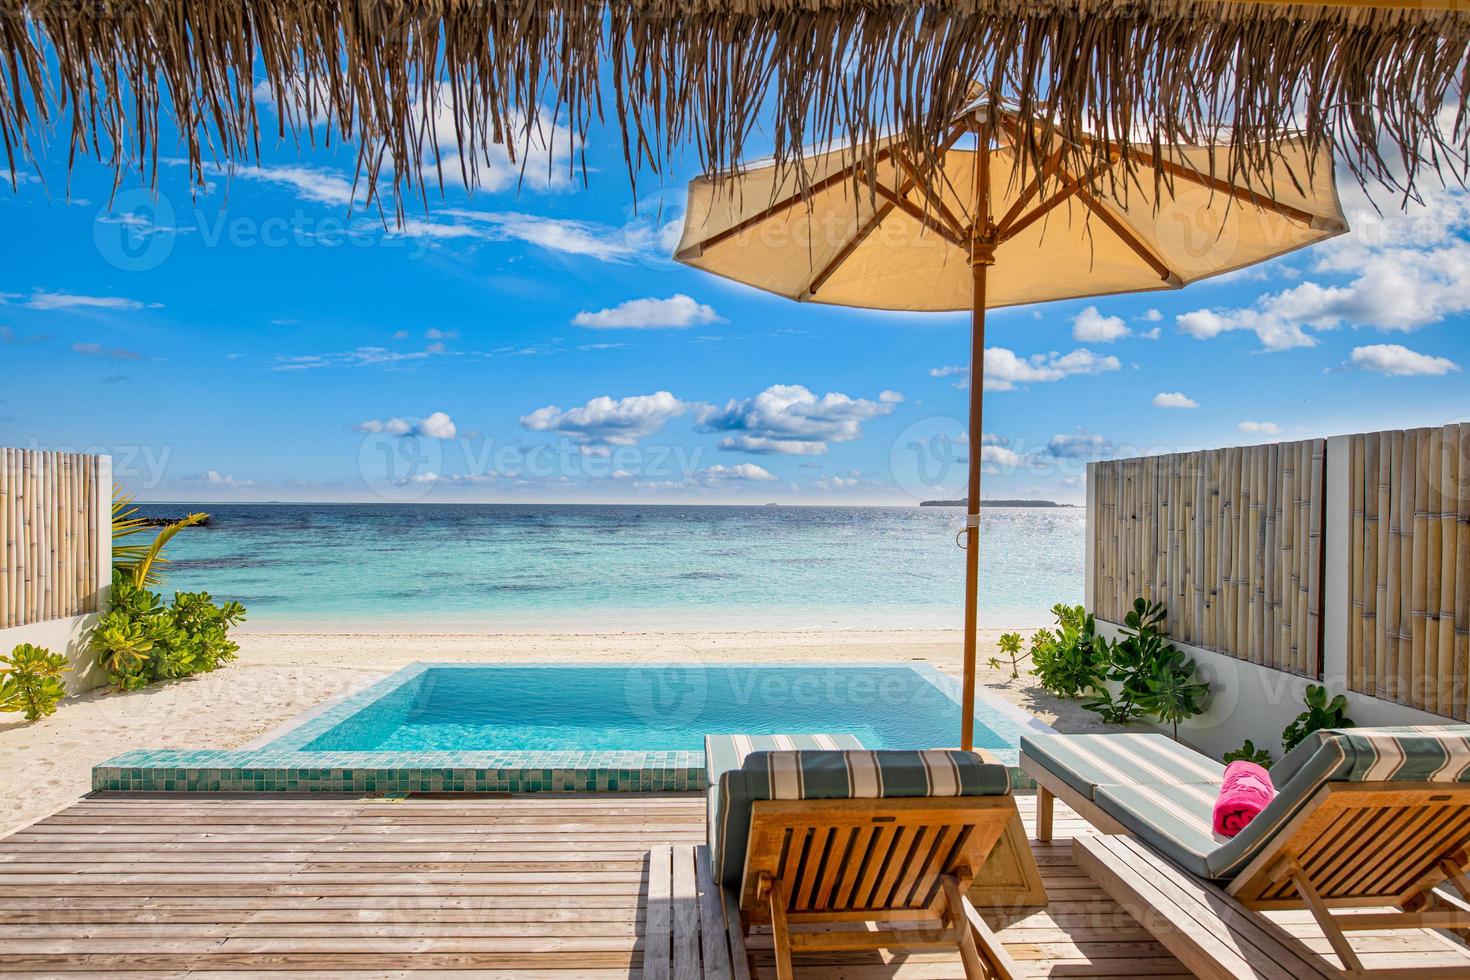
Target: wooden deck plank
(505, 888)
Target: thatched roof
(1355, 77)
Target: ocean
(456, 567)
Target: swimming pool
(438, 727)
(662, 708)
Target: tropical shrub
(1321, 713)
(1153, 677)
(140, 640)
(1248, 753)
(1069, 661)
(30, 681)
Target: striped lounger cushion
(836, 775)
(1085, 762)
(1174, 817)
(1416, 754)
(725, 752)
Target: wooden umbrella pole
(972, 506)
(982, 256)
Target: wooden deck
(551, 888)
(534, 886)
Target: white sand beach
(279, 675)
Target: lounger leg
(1045, 802)
(976, 935)
(776, 896)
(1339, 942)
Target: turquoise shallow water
(347, 566)
(651, 708)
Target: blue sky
(533, 341)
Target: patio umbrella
(957, 226)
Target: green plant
(30, 681)
(1321, 713)
(1010, 645)
(1152, 675)
(141, 562)
(1170, 693)
(1248, 753)
(140, 640)
(1070, 661)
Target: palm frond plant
(141, 562)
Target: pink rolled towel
(1246, 791)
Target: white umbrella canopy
(903, 247)
(974, 228)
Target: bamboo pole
(1386, 548)
(1317, 500)
(5, 570)
(1366, 577)
(1448, 514)
(1418, 557)
(1357, 540)
(1462, 576)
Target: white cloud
(43, 300)
(677, 312)
(214, 478)
(1152, 315)
(1001, 457)
(1405, 268)
(434, 333)
(740, 471)
(1398, 360)
(1092, 327)
(111, 353)
(320, 185)
(792, 420)
(889, 397)
(435, 425)
(605, 421)
(1260, 428)
(1174, 399)
(1081, 444)
(586, 238)
(1004, 369)
(357, 357)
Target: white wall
(1255, 702)
(69, 634)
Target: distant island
(987, 502)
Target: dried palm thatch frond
(1354, 77)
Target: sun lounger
(842, 849)
(1363, 818)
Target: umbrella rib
(955, 224)
(1129, 238)
(924, 218)
(878, 217)
(1240, 193)
(1031, 190)
(846, 173)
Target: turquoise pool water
(650, 708)
(540, 728)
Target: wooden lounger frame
(903, 865)
(1356, 845)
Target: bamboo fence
(50, 535)
(1409, 568)
(1230, 540)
